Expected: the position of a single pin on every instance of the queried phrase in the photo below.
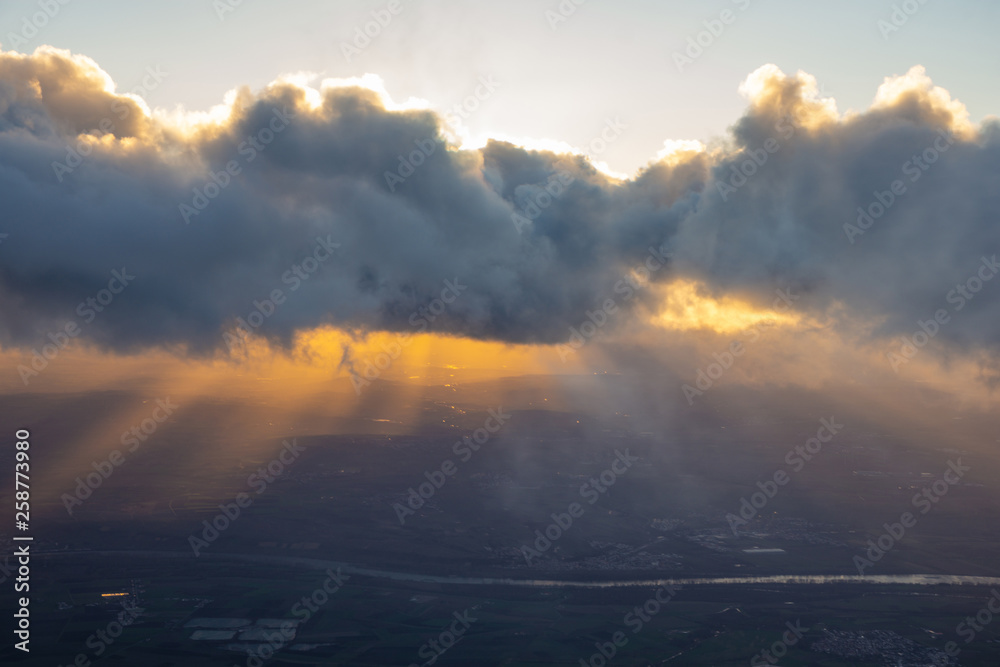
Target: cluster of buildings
(612, 557)
(792, 529)
(894, 649)
(492, 480)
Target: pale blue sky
(608, 59)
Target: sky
(227, 184)
(558, 80)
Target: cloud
(53, 94)
(446, 213)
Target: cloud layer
(535, 238)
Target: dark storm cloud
(288, 175)
(797, 220)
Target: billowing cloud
(871, 217)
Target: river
(782, 579)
